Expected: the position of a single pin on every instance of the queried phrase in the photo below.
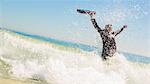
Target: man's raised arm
(120, 30)
(93, 20)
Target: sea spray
(32, 59)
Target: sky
(58, 19)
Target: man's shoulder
(100, 30)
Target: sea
(34, 59)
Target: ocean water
(44, 60)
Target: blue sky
(59, 19)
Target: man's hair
(108, 25)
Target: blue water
(129, 56)
(137, 58)
(60, 42)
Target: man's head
(108, 27)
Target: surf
(26, 58)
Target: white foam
(31, 59)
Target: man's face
(109, 27)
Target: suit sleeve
(118, 31)
(96, 25)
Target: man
(108, 37)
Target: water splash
(44, 61)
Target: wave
(30, 58)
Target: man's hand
(125, 26)
(92, 14)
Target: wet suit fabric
(108, 39)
